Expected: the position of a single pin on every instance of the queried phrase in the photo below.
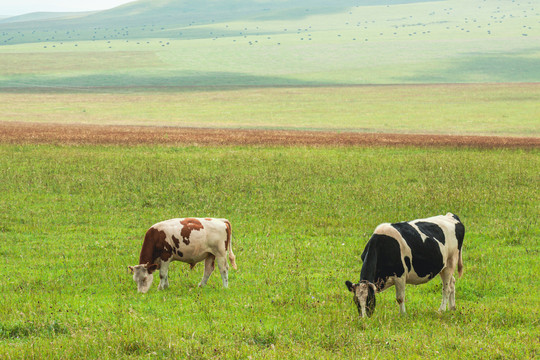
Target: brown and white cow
(190, 240)
(411, 252)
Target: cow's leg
(447, 285)
(400, 294)
(208, 268)
(163, 275)
(224, 270)
(452, 299)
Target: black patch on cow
(408, 263)
(426, 255)
(431, 230)
(382, 259)
(370, 302)
(460, 234)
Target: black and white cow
(411, 252)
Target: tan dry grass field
(445, 109)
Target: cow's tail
(460, 235)
(232, 258)
(460, 264)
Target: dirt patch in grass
(77, 134)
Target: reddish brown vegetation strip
(35, 133)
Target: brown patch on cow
(228, 230)
(189, 225)
(151, 268)
(176, 241)
(167, 252)
(399, 301)
(208, 219)
(155, 247)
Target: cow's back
(187, 239)
(425, 244)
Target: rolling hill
(186, 13)
(240, 42)
(201, 11)
(34, 19)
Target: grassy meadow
(73, 218)
(482, 109)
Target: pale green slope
(423, 42)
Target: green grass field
(73, 218)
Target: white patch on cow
(163, 275)
(142, 277)
(361, 293)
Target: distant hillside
(40, 16)
(166, 43)
(219, 10)
(183, 13)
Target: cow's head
(142, 275)
(364, 296)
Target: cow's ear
(350, 285)
(130, 269)
(151, 268)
